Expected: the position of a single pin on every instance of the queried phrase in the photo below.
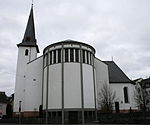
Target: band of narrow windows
(70, 55)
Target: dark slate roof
(29, 36)
(116, 75)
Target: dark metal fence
(124, 118)
(103, 118)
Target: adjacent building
(3, 103)
(143, 90)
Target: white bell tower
(27, 51)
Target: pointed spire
(29, 36)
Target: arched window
(126, 98)
(26, 52)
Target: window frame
(26, 52)
(126, 94)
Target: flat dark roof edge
(68, 42)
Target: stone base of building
(70, 117)
(26, 114)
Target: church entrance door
(117, 107)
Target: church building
(65, 81)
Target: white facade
(54, 87)
(70, 82)
(21, 75)
(119, 89)
(72, 86)
(63, 83)
(102, 76)
(33, 91)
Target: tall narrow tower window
(26, 52)
(50, 57)
(126, 98)
(71, 55)
(54, 56)
(77, 55)
(90, 58)
(66, 55)
(83, 55)
(59, 55)
(87, 56)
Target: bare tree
(106, 98)
(140, 97)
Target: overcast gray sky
(118, 28)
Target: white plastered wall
(32, 53)
(72, 85)
(21, 75)
(88, 86)
(101, 74)
(33, 87)
(44, 88)
(54, 87)
(118, 88)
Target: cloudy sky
(115, 28)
